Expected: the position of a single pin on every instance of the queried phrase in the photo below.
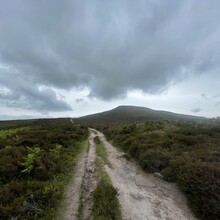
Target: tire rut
(73, 190)
(89, 181)
(82, 185)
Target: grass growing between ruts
(101, 152)
(105, 202)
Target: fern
(33, 153)
(55, 153)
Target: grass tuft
(106, 206)
(105, 202)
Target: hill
(131, 114)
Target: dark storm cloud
(110, 47)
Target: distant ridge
(117, 116)
(131, 114)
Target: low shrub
(186, 153)
(33, 168)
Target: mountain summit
(130, 114)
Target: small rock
(137, 196)
(157, 202)
(158, 175)
(141, 181)
(157, 213)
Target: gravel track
(82, 184)
(143, 196)
(73, 190)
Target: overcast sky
(74, 57)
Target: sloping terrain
(131, 114)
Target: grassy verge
(105, 202)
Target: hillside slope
(131, 114)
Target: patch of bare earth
(143, 196)
(89, 182)
(72, 194)
(82, 184)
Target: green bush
(200, 181)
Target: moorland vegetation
(35, 165)
(187, 153)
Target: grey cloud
(79, 100)
(18, 117)
(108, 46)
(216, 96)
(34, 99)
(196, 110)
(218, 103)
(204, 96)
(16, 92)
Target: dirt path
(143, 196)
(89, 179)
(82, 184)
(73, 190)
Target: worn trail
(82, 184)
(89, 179)
(73, 190)
(143, 196)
